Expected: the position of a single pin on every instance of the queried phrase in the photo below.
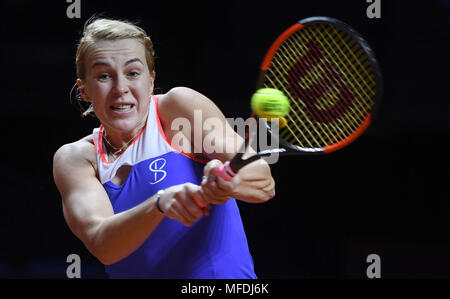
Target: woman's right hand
(178, 203)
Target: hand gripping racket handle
(226, 173)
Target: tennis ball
(270, 103)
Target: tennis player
(143, 204)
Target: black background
(386, 194)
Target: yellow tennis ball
(270, 103)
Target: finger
(173, 213)
(214, 197)
(210, 166)
(211, 178)
(207, 193)
(190, 199)
(199, 203)
(214, 188)
(198, 197)
(177, 205)
(225, 186)
(184, 216)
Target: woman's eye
(133, 74)
(103, 77)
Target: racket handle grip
(226, 173)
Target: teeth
(122, 107)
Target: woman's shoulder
(79, 152)
(182, 101)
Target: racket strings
(314, 133)
(325, 98)
(353, 60)
(308, 132)
(329, 97)
(293, 133)
(361, 85)
(276, 80)
(334, 84)
(317, 91)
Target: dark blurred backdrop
(386, 194)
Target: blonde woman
(129, 194)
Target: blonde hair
(99, 29)
(107, 29)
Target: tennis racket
(333, 82)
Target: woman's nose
(120, 87)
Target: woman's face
(118, 83)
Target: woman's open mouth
(122, 108)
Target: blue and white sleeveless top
(213, 247)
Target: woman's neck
(118, 143)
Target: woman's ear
(82, 90)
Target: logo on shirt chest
(156, 167)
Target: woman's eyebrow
(102, 63)
(134, 60)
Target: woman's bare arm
(253, 183)
(89, 214)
